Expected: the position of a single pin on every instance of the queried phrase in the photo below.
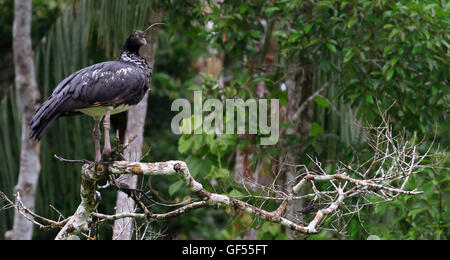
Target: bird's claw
(98, 166)
(93, 164)
(107, 152)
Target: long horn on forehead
(152, 26)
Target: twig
(84, 161)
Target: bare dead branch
(384, 176)
(41, 222)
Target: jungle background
(361, 55)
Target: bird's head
(134, 42)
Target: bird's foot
(93, 164)
(107, 152)
(114, 154)
(99, 166)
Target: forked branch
(384, 177)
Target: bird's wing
(105, 84)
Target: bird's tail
(46, 114)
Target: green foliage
(391, 51)
(371, 53)
(423, 217)
(271, 231)
(43, 15)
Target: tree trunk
(123, 228)
(30, 165)
(299, 87)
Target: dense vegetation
(370, 54)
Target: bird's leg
(106, 126)
(96, 135)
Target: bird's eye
(138, 36)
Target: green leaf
(175, 187)
(352, 21)
(394, 32)
(271, 9)
(354, 95)
(415, 212)
(313, 41)
(243, 9)
(271, 228)
(308, 28)
(348, 56)
(235, 193)
(281, 236)
(430, 6)
(322, 102)
(226, 141)
(218, 173)
(390, 74)
(285, 125)
(324, 3)
(214, 147)
(256, 35)
(369, 99)
(394, 61)
(185, 143)
(316, 129)
(428, 186)
(331, 47)
(294, 37)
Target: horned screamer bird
(100, 90)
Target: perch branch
(384, 176)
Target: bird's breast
(101, 111)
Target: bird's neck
(131, 57)
(135, 59)
(129, 54)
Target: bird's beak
(144, 41)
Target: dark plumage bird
(100, 90)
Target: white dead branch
(385, 176)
